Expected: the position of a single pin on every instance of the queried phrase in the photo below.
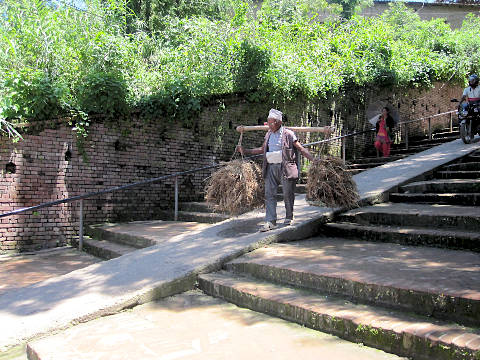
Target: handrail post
(406, 136)
(451, 122)
(175, 216)
(430, 129)
(80, 232)
(344, 141)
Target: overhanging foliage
(114, 60)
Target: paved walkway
(199, 327)
(25, 269)
(171, 266)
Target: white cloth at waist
(274, 157)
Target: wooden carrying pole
(324, 129)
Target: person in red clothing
(384, 128)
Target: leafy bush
(174, 103)
(103, 93)
(250, 62)
(31, 94)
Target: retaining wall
(48, 165)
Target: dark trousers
(273, 179)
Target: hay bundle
(330, 184)
(235, 188)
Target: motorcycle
(469, 121)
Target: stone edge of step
(403, 335)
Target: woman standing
(384, 128)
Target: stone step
(194, 216)
(446, 185)
(412, 149)
(407, 235)
(427, 281)
(419, 215)
(455, 134)
(375, 159)
(195, 206)
(365, 166)
(101, 232)
(434, 142)
(463, 166)
(355, 171)
(457, 174)
(388, 330)
(468, 199)
(475, 158)
(104, 249)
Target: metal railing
(176, 175)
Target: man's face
(273, 124)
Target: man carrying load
(280, 152)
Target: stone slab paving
(195, 326)
(21, 270)
(431, 270)
(171, 266)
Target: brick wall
(47, 166)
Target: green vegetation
(165, 60)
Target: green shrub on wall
(103, 93)
(32, 94)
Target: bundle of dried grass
(330, 184)
(235, 188)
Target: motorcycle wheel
(466, 132)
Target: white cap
(275, 114)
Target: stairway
(403, 277)
(417, 144)
(196, 212)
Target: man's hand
(329, 129)
(240, 149)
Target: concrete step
(375, 273)
(104, 249)
(462, 218)
(101, 232)
(473, 157)
(434, 142)
(407, 235)
(446, 186)
(463, 166)
(442, 174)
(412, 149)
(375, 159)
(195, 206)
(194, 216)
(365, 166)
(388, 330)
(355, 171)
(455, 134)
(467, 199)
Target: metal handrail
(175, 175)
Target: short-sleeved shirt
(472, 94)
(275, 140)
